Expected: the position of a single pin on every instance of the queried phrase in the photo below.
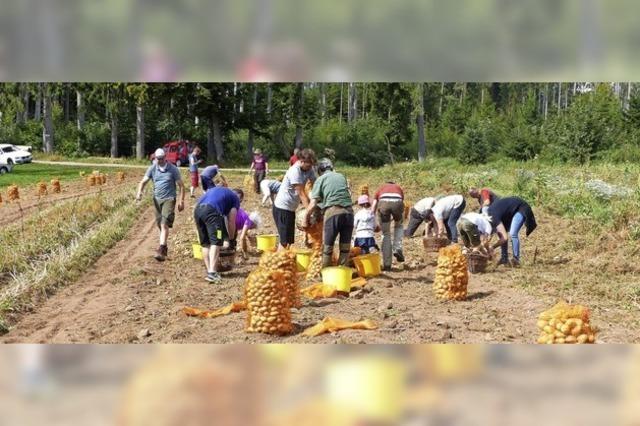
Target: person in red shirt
(485, 197)
(294, 158)
(389, 204)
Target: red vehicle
(177, 152)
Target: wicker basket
(226, 260)
(477, 263)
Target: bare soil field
(127, 296)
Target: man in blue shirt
(208, 175)
(216, 205)
(165, 177)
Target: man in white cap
(165, 177)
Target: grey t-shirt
(288, 198)
(164, 183)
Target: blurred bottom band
(332, 385)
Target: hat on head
(159, 153)
(257, 151)
(363, 199)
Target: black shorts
(286, 224)
(210, 224)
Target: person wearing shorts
(165, 177)
(193, 169)
(217, 206)
(291, 194)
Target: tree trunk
(340, 116)
(323, 102)
(351, 95)
(113, 123)
(25, 100)
(66, 103)
(269, 98)
(559, 97)
(250, 144)
(441, 99)
(47, 128)
(628, 97)
(217, 137)
(546, 101)
(298, 140)
(80, 110)
(422, 144)
(38, 109)
(139, 132)
(211, 148)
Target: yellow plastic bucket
(197, 251)
(338, 276)
(368, 265)
(303, 259)
(267, 242)
(373, 387)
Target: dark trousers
(338, 226)
(257, 178)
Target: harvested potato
(452, 276)
(566, 323)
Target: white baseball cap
(159, 153)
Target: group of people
(218, 216)
(221, 221)
(504, 217)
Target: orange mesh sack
(452, 276)
(121, 176)
(55, 186)
(566, 323)
(267, 301)
(13, 193)
(284, 262)
(42, 188)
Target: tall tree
(47, 127)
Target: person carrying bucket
(331, 193)
(364, 223)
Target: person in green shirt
(331, 193)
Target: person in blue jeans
(444, 215)
(511, 213)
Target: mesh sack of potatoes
(121, 176)
(452, 275)
(566, 323)
(42, 188)
(91, 180)
(13, 193)
(268, 304)
(55, 186)
(315, 264)
(103, 179)
(364, 190)
(284, 261)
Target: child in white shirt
(364, 225)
